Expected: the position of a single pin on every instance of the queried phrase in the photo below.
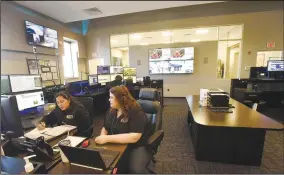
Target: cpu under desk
(236, 137)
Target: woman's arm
(119, 138)
(104, 131)
(50, 119)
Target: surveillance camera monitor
(102, 70)
(116, 69)
(129, 71)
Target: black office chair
(149, 104)
(88, 103)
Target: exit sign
(270, 44)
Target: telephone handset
(39, 147)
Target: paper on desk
(35, 133)
(75, 140)
(59, 130)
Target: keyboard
(27, 124)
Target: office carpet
(176, 153)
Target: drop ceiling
(70, 11)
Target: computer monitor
(29, 100)
(10, 116)
(116, 69)
(75, 87)
(93, 79)
(102, 70)
(103, 79)
(275, 65)
(258, 72)
(5, 85)
(21, 83)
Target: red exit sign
(270, 44)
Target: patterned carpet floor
(176, 153)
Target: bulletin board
(48, 69)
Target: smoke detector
(93, 11)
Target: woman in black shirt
(126, 123)
(68, 111)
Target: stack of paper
(59, 130)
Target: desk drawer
(251, 96)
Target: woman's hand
(102, 139)
(41, 126)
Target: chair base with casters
(154, 142)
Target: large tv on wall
(171, 60)
(41, 36)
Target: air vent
(93, 11)
(187, 34)
(149, 37)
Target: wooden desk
(66, 168)
(236, 137)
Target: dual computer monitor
(274, 69)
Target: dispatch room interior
(206, 77)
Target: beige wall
(14, 46)
(259, 28)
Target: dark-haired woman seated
(68, 111)
(126, 123)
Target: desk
(236, 137)
(66, 168)
(48, 163)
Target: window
(70, 58)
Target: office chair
(149, 104)
(88, 103)
(154, 142)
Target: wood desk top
(242, 116)
(66, 168)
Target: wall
(255, 35)
(14, 46)
(183, 84)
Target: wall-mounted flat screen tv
(40, 35)
(171, 60)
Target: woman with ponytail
(126, 123)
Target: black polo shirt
(136, 123)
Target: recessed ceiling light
(201, 31)
(167, 33)
(136, 36)
(194, 40)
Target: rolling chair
(149, 104)
(88, 103)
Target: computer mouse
(85, 143)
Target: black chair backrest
(155, 140)
(88, 103)
(151, 107)
(149, 94)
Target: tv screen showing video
(40, 35)
(171, 60)
(129, 71)
(103, 70)
(116, 69)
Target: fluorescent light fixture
(194, 40)
(136, 36)
(201, 31)
(167, 33)
(113, 41)
(144, 44)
